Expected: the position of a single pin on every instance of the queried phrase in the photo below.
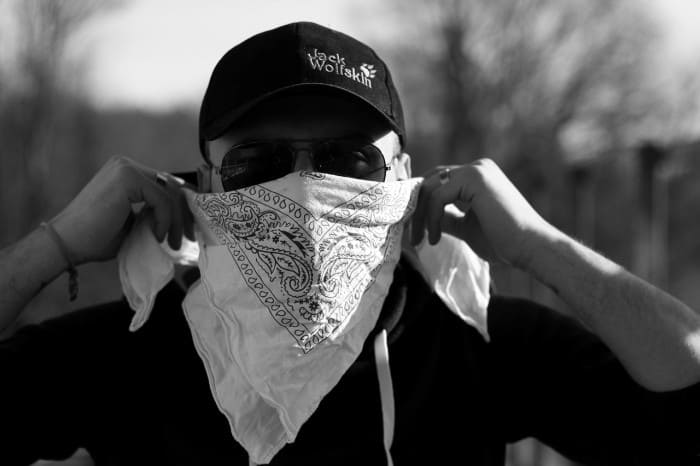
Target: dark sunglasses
(260, 161)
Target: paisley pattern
(308, 269)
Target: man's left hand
(497, 221)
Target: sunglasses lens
(356, 160)
(254, 163)
(258, 162)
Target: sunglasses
(260, 161)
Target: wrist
(66, 229)
(27, 266)
(66, 256)
(47, 252)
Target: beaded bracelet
(72, 272)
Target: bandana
(294, 275)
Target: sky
(680, 20)
(157, 54)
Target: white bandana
(294, 276)
(290, 289)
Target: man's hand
(95, 223)
(92, 228)
(655, 336)
(498, 223)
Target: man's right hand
(96, 222)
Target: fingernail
(162, 178)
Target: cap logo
(368, 70)
(335, 63)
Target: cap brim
(221, 124)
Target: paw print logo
(368, 70)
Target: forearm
(25, 268)
(655, 336)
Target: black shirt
(84, 380)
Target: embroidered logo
(368, 70)
(335, 63)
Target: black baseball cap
(291, 57)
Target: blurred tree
(534, 82)
(548, 88)
(37, 104)
(52, 140)
(553, 90)
(47, 128)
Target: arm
(656, 337)
(92, 228)
(552, 379)
(25, 268)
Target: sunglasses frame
(310, 146)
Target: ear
(204, 178)
(402, 165)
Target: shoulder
(523, 320)
(530, 341)
(96, 331)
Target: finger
(418, 219)
(439, 197)
(183, 221)
(176, 228)
(187, 216)
(439, 168)
(419, 216)
(423, 207)
(145, 189)
(433, 179)
(183, 206)
(177, 222)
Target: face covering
(294, 275)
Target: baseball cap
(291, 57)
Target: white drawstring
(386, 389)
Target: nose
(303, 161)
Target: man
(619, 395)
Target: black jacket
(83, 380)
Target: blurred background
(591, 108)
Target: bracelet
(72, 272)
